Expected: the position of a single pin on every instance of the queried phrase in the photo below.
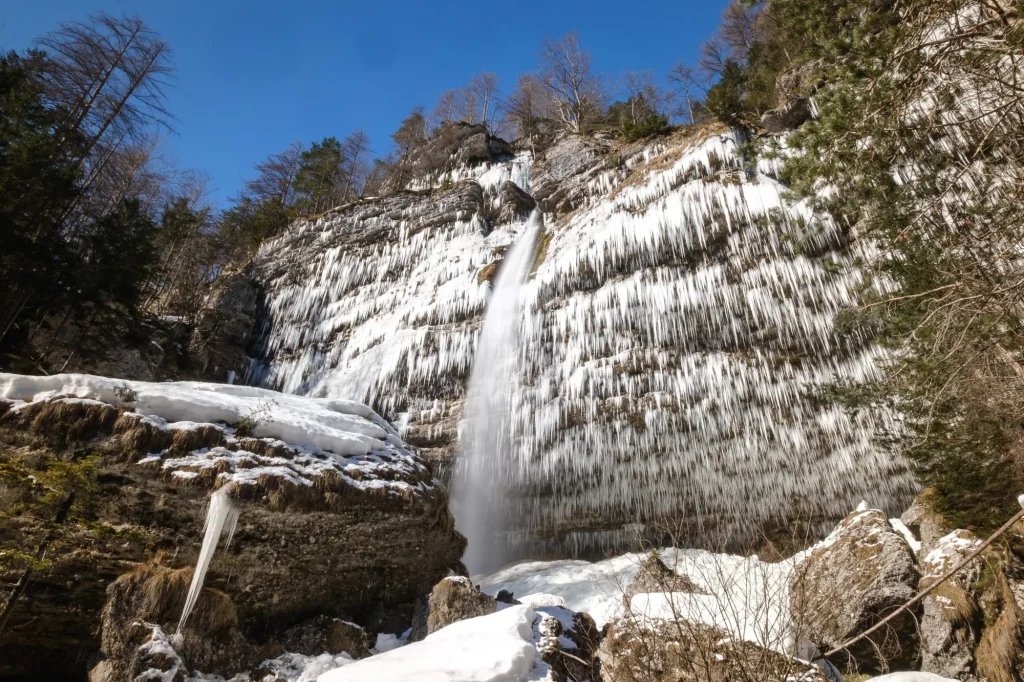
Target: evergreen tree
(320, 178)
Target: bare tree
(484, 88)
(356, 148)
(467, 107)
(739, 29)
(642, 94)
(525, 106)
(713, 56)
(110, 75)
(572, 87)
(445, 111)
(691, 86)
(276, 179)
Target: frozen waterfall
(221, 519)
(478, 488)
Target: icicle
(221, 520)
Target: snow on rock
(494, 648)
(745, 596)
(299, 668)
(344, 427)
(304, 438)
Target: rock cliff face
(323, 531)
(678, 332)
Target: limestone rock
(332, 635)
(330, 549)
(147, 602)
(515, 204)
(559, 178)
(569, 643)
(645, 649)
(456, 598)
(949, 631)
(655, 577)
(850, 581)
(788, 116)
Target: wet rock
(506, 597)
(858, 575)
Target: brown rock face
(863, 572)
(329, 550)
(455, 598)
(654, 577)
(643, 650)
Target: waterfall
(221, 519)
(478, 489)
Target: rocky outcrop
(972, 625)
(344, 543)
(224, 330)
(453, 599)
(153, 595)
(324, 633)
(655, 577)
(559, 177)
(636, 650)
(568, 642)
(514, 203)
(858, 575)
(453, 145)
(790, 115)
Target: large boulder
(146, 602)
(857, 576)
(513, 203)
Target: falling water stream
(478, 487)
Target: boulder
(333, 635)
(145, 603)
(655, 577)
(456, 598)
(949, 622)
(790, 115)
(568, 642)
(635, 650)
(854, 578)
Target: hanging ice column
(478, 489)
(221, 519)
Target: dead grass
(156, 594)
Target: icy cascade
(676, 342)
(221, 519)
(490, 405)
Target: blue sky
(253, 76)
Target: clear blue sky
(253, 76)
